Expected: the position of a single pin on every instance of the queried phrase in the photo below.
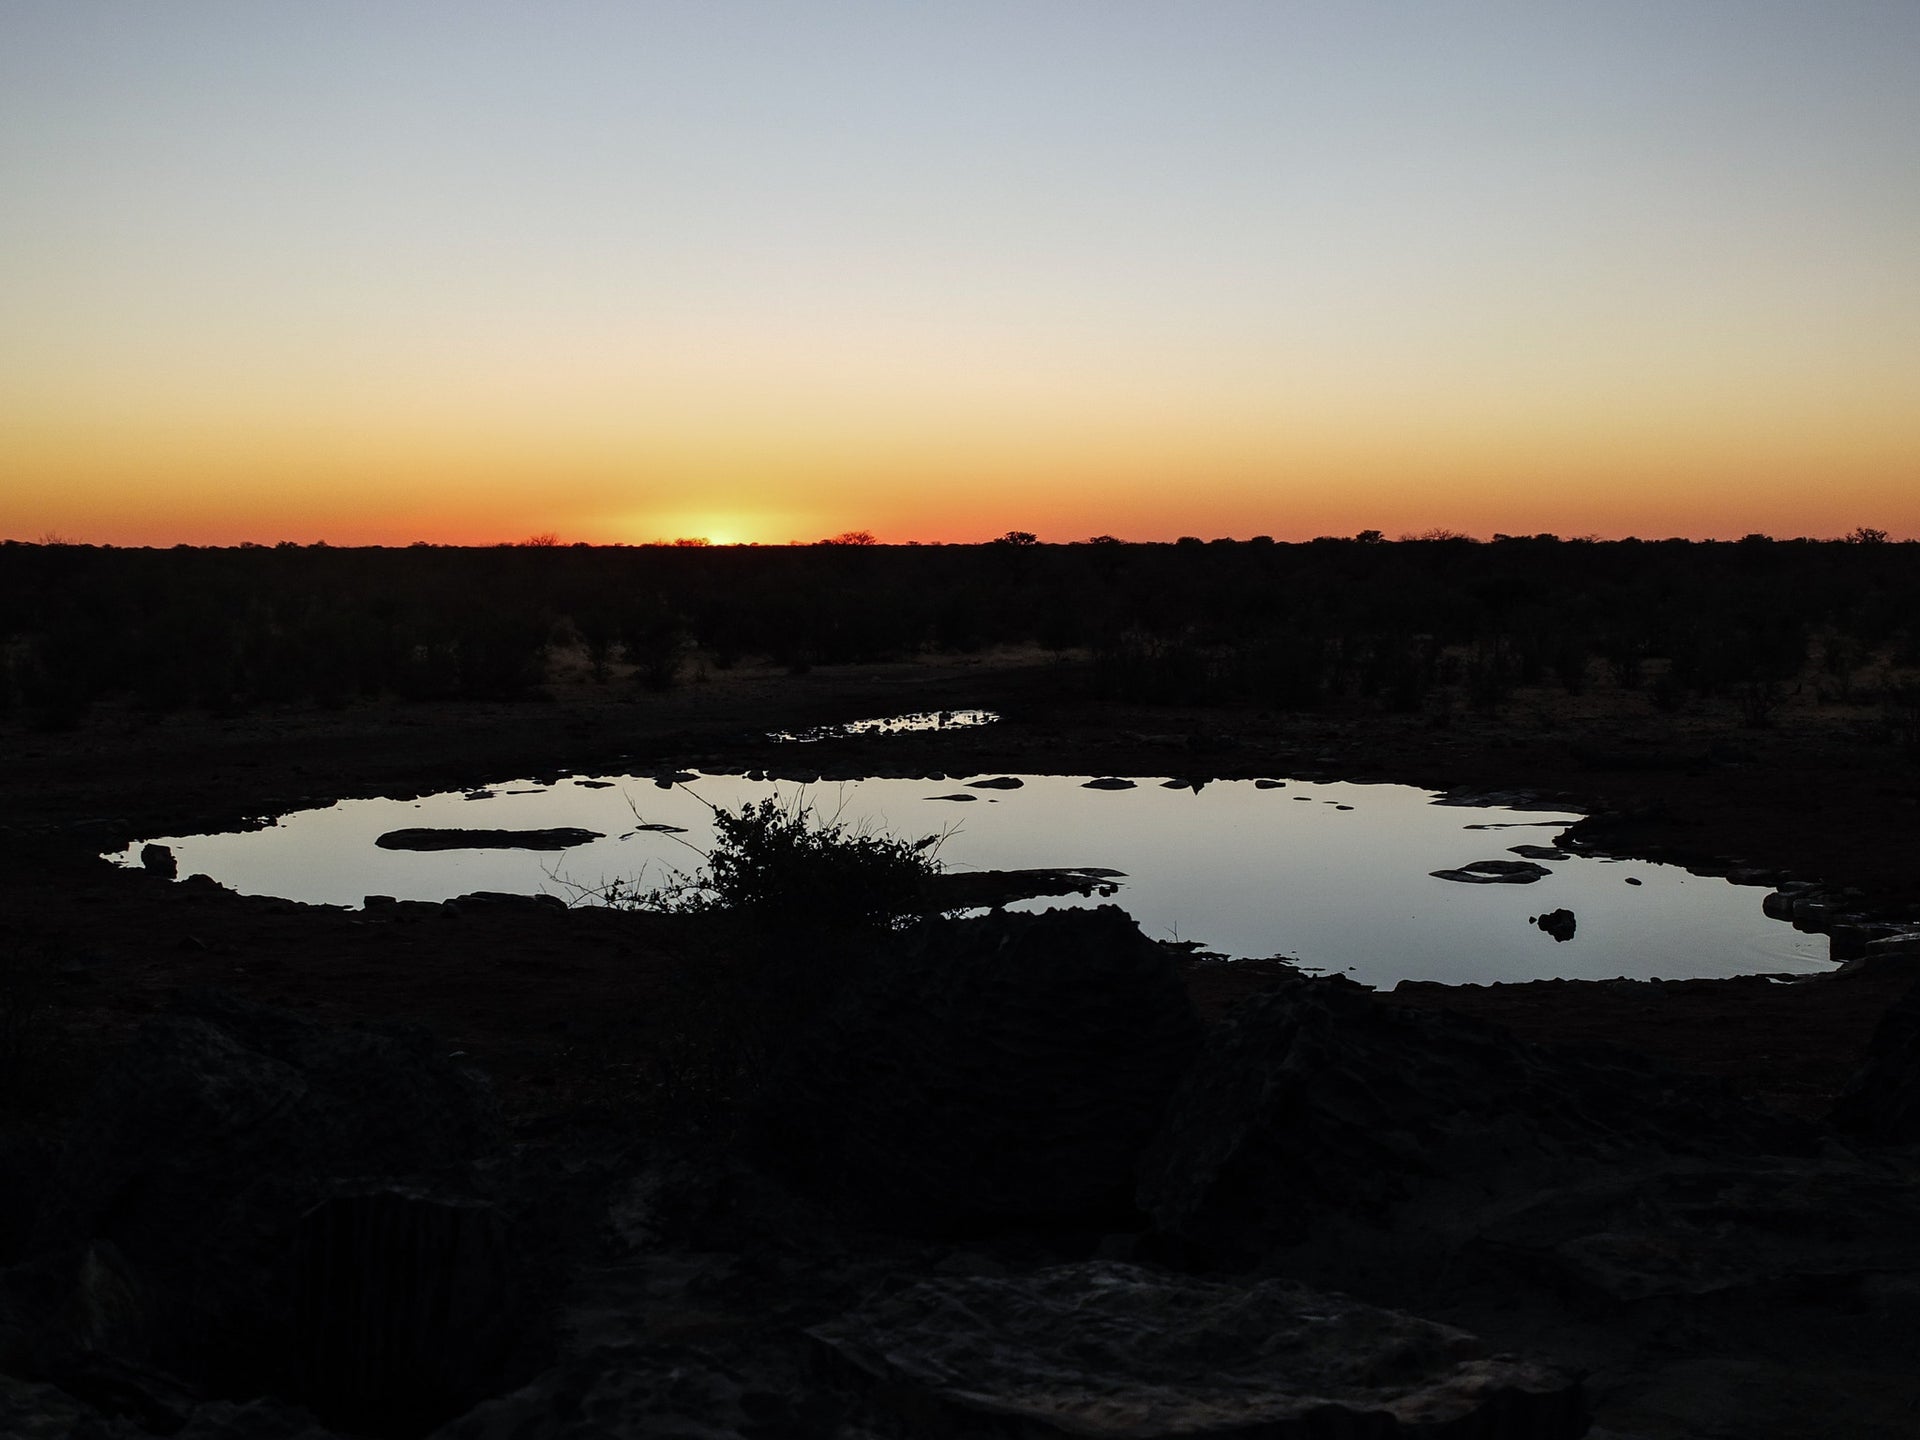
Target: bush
(777, 863)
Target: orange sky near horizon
(627, 272)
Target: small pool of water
(1335, 875)
(919, 720)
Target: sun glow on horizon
(943, 272)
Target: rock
(1850, 941)
(1004, 782)
(1759, 1227)
(1539, 852)
(953, 797)
(204, 1142)
(601, 784)
(1004, 1069)
(30, 1411)
(402, 1306)
(24, 1163)
(255, 1420)
(1494, 872)
(1347, 1131)
(1812, 916)
(667, 779)
(1898, 951)
(673, 1392)
(508, 900)
(159, 860)
(1105, 1351)
(559, 838)
(1114, 782)
(1778, 905)
(1882, 1102)
(1560, 924)
(1906, 942)
(1269, 784)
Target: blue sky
(618, 270)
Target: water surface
(1335, 875)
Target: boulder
(1882, 1101)
(255, 1420)
(1752, 1229)
(205, 1142)
(30, 1411)
(402, 1303)
(1104, 1351)
(1347, 1131)
(999, 1069)
(674, 1392)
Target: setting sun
(1146, 271)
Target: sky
(464, 272)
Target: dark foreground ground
(618, 1073)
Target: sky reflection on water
(1335, 874)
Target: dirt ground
(584, 1011)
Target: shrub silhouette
(778, 864)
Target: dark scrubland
(503, 1167)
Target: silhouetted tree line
(1281, 625)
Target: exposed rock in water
(1539, 852)
(1004, 782)
(185, 1179)
(559, 838)
(1494, 872)
(1560, 924)
(1114, 782)
(159, 860)
(1007, 1068)
(1111, 1352)
(1320, 1116)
